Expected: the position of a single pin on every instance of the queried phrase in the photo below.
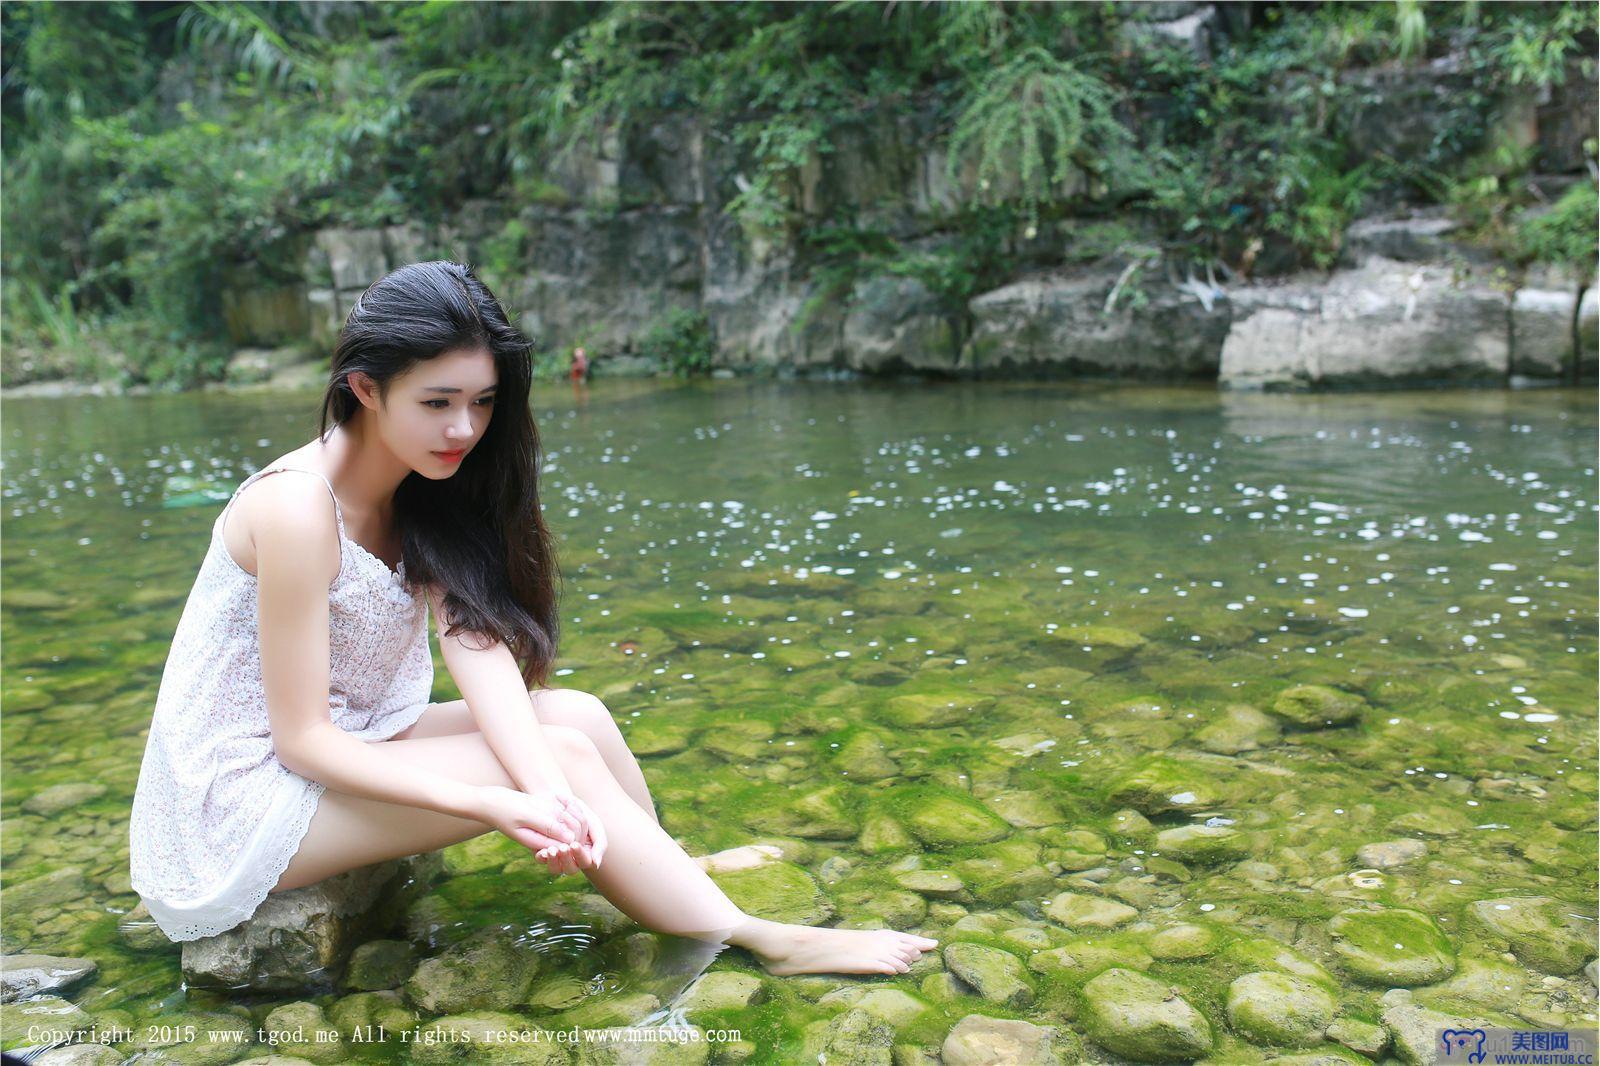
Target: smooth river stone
(1392, 947)
(997, 975)
(1279, 1009)
(1317, 707)
(1143, 1020)
(1077, 911)
(1531, 925)
(1203, 844)
(1385, 854)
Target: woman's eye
(436, 404)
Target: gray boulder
(303, 938)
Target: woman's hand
(556, 826)
(587, 851)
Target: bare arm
(291, 522)
(494, 691)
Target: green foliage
(1033, 104)
(1563, 233)
(682, 340)
(153, 151)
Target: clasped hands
(559, 828)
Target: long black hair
(480, 533)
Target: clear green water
(850, 618)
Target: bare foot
(790, 949)
(742, 858)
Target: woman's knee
(580, 710)
(571, 745)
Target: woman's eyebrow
(452, 388)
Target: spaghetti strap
(338, 512)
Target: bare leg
(650, 878)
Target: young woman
(293, 738)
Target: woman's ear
(364, 389)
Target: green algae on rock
(1241, 728)
(1203, 844)
(945, 818)
(1536, 932)
(1160, 784)
(1077, 911)
(1145, 1020)
(1183, 943)
(1279, 1009)
(1317, 707)
(998, 976)
(1393, 947)
(778, 892)
(979, 1040)
(485, 973)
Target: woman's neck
(364, 473)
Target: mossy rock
(1078, 911)
(1159, 785)
(1184, 943)
(778, 892)
(1391, 948)
(466, 1038)
(1279, 1009)
(945, 818)
(1264, 953)
(1536, 932)
(933, 710)
(998, 976)
(1206, 845)
(1144, 1020)
(1317, 707)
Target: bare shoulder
(287, 515)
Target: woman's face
(438, 411)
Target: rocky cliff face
(631, 229)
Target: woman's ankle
(753, 933)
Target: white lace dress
(216, 817)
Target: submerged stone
(1385, 854)
(998, 976)
(1082, 959)
(933, 710)
(1533, 928)
(488, 973)
(1392, 947)
(1026, 808)
(1144, 1020)
(1077, 911)
(936, 884)
(865, 758)
(1264, 953)
(722, 990)
(1361, 1037)
(778, 892)
(1203, 844)
(1317, 707)
(22, 976)
(944, 818)
(978, 1040)
(1414, 1030)
(1241, 728)
(1182, 943)
(1159, 785)
(821, 814)
(1279, 1009)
